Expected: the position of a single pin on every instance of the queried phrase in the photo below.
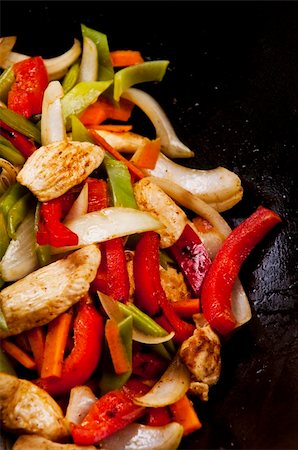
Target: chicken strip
(53, 169)
(201, 355)
(34, 442)
(25, 408)
(44, 294)
(153, 199)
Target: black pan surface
(231, 92)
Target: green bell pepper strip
(5, 364)
(17, 214)
(70, 79)
(139, 73)
(81, 96)
(79, 132)
(7, 78)
(20, 124)
(13, 156)
(7, 143)
(109, 379)
(10, 197)
(4, 238)
(105, 66)
(120, 183)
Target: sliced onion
(80, 401)
(8, 174)
(219, 187)
(99, 226)
(89, 62)
(20, 257)
(79, 206)
(56, 67)
(111, 308)
(172, 385)
(142, 437)
(6, 44)
(170, 143)
(52, 119)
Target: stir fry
(119, 276)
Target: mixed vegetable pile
(119, 276)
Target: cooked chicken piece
(32, 442)
(201, 355)
(173, 284)
(25, 408)
(153, 199)
(55, 168)
(44, 294)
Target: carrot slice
(202, 224)
(111, 127)
(37, 338)
(123, 58)
(102, 109)
(137, 173)
(187, 308)
(18, 354)
(146, 156)
(56, 339)
(184, 413)
(117, 350)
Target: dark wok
(231, 93)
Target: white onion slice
(172, 385)
(109, 223)
(142, 437)
(52, 119)
(111, 308)
(79, 206)
(8, 174)
(170, 143)
(89, 62)
(219, 187)
(56, 67)
(20, 257)
(80, 401)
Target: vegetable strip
(18, 354)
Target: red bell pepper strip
(150, 296)
(112, 412)
(112, 276)
(147, 364)
(22, 143)
(31, 80)
(158, 417)
(219, 281)
(191, 255)
(84, 357)
(51, 231)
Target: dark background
(231, 92)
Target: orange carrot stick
(187, 308)
(137, 173)
(184, 413)
(123, 58)
(102, 109)
(117, 350)
(56, 339)
(111, 127)
(146, 156)
(18, 354)
(37, 338)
